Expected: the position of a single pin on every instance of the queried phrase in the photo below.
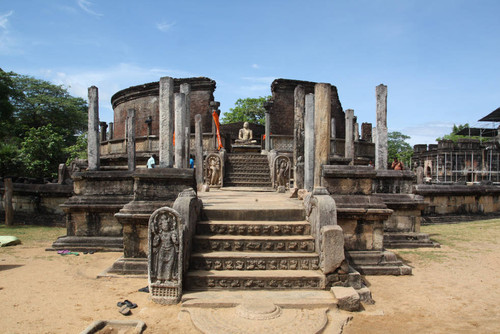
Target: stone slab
(347, 298)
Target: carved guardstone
(213, 170)
(281, 173)
(165, 258)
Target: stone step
(377, 263)
(408, 240)
(241, 175)
(255, 214)
(241, 227)
(251, 184)
(246, 179)
(254, 279)
(203, 243)
(254, 261)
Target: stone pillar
(356, 129)
(111, 131)
(166, 126)
(93, 143)
(149, 123)
(267, 106)
(9, 209)
(104, 129)
(185, 89)
(349, 135)
(309, 143)
(322, 116)
(366, 132)
(333, 129)
(381, 130)
(180, 128)
(131, 139)
(298, 136)
(198, 144)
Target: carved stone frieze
(245, 283)
(273, 230)
(254, 245)
(291, 263)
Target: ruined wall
(282, 112)
(458, 199)
(144, 99)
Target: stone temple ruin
(334, 215)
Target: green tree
(41, 152)
(247, 110)
(6, 107)
(79, 150)
(27, 105)
(397, 147)
(455, 137)
(39, 103)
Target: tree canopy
(39, 121)
(247, 110)
(397, 147)
(455, 137)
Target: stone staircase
(247, 170)
(253, 248)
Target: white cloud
(164, 26)
(85, 5)
(4, 19)
(426, 133)
(108, 80)
(8, 45)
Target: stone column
(104, 129)
(131, 139)
(185, 89)
(166, 125)
(381, 130)
(366, 132)
(198, 144)
(9, 209)
(180, 127)
(149, 123)
(93, 143)
(333, 129)
(349, 134)
(298, 136)
(267, 106)
(322, 116)
(356, 129)
(111, 131)
(309, 143)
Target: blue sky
(440, 59)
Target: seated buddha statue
(245, 136)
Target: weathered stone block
(332, 248)
(347, 298)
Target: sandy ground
(454, 289)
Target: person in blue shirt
(152, 161)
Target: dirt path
(454, 289)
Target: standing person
(152, 161)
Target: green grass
(32, 235)
(482, 231)
(460, 238)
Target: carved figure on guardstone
(281, 169)
(165, 259)
(213, 167)
(166, 247)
